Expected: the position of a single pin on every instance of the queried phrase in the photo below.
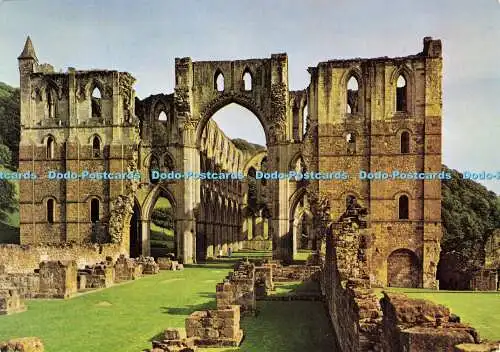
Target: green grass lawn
(126, 317)
(480, 309)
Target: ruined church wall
(28, 258)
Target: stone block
(58, 279)
(127, 269)
(10, 302)
(26, 344)
(164, 263)
(431, 339)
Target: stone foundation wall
(26, 258)
(419, 325)
(214, 328)
(238, 289)
(58, 279)
(258, 245)
(27, 285)
(395, 323)
(296, 273)
(485, 280)
(10, 302)
(127, 269)
(97, 276)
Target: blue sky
(144, 36)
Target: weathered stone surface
(26, 344)
(164, 263)
(58, 279)
(10, 302)
(127, 269)
(27, 285)
(482, 347)
(97, 276)
(149, 266)
(215, 328)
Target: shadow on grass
(208, 295)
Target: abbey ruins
(356, 114)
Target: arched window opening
(50, 211)
(351, 143)
(51, 103)
(352, 95)
(162, 116)
(50, 147)
(247, 80)
(405, 142)
(403, 207)
(96, 147)
(305, 118)
(94, 210)
(219, 81)
(401, 92)
(96, 102)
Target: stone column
(210, 240)
(145, 237)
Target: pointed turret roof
(28, 51)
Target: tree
(470, 213)
(5, 156)
(9, 120)
(163, 217)
(8, 201)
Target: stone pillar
(145, 232)
(295, 236)
(209, 237)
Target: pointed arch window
(50, 147)
(50, 208)
(96, 147)
(403, 207)
(94, 210)
(247, 80)
(96, 101)
(352, 95)
(219, 81)
(401, 94)
(162, 116)
(405, 142)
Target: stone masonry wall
(28, 257)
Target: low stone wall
(127, 269)
(27, 344)
(149, 266)
(58, 279)
(215, 328)
(396, 323)
(27, 285)
(419, 325)
(296, 273)
(238, 289)
(96, 276)
(26, 258)
(263, 281)
(485, 280)
(258, 245)
(10, 302)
